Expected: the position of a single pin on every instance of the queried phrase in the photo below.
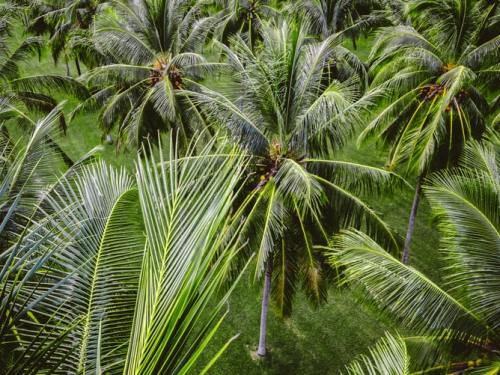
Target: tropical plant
(288, 115)
(350, 17)
(29, 172)
(377, 363)
(403, 356)
(243, 17)
(154, 44)
(26, 169)
(433, 80)
(124, 278)
(68, 25)
(465, 309)
(22, 96)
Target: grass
(312, 341)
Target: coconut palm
(117, 263)
(350, 17)
(68, 25)
(464, 309)
(243, 17)
(288, 115)
(154, 44)
(21, 95)
(432, 80)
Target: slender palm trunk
(261, 350)
(68, 73)
(77, 63)
(411, 222)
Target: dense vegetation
(252, 186)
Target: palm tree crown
(433, 76)
(431, 83)
(289, 108)
(153, 44)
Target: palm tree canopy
(431, 82)
(289, 107)
(154, 46)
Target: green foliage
(113, 267)
(128, 270)
(431, 82)
(465, 202)
(154, 48)
(284, 111)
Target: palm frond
(51, 84)
(388, 356)
(185, 205)
(466, 204)
(403, 291)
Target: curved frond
(466, 203)
(407, 293)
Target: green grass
(312, 341)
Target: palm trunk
(354, 45)
(77, 63)
(68, 73)
(261, 350)
(411, 222)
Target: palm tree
(432, 81)
(286, 113)
(154, 44)
(24, 95)
(68, 25)
(464, 310)
(350, 17)
(243, 17)
(124, 276)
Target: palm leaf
(405, 292)
(466, 204)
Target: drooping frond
(89, 261)
(9, 64)
(466, 202)
(402, 290)
(26, 168)
(51, 84)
